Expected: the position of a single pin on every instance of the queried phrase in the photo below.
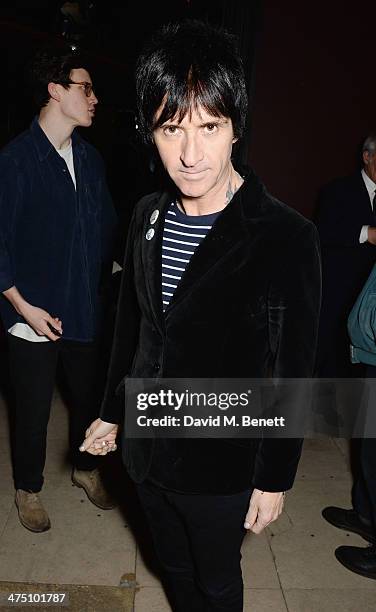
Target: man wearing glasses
(56, 229)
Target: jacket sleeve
(109, 220)
(109, 231)
(10, 194)
(298, 287)
(337, 221)
(125, 336)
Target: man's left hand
(264, 508)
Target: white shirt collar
(370, 185)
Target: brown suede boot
(91, 483)
(31, 512)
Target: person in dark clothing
(347, 226)
(346, 222)
(56, 231)
(220, 280)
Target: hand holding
(100, 438)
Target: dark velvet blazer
(247, 306)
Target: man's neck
(216, 201)
(57, 132)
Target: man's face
(78, 108)
(196, 152)
(369, 160)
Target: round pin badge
(150, 234)
(154, 216)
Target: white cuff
(364, 234)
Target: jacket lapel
(228, 233)
(222, 238)
(360, 188)
(151, 241)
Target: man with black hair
(56, 229)
(220, 280)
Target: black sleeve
(337, 220)
(11, 190)
(297, 287)
(126, 335)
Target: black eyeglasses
(88, 87)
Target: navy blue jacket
(55, 242)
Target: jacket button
(157, 366)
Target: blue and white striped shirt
(181, 236)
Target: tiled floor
(290, 567)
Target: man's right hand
(39, 319)
(372, 235)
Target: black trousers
(364, 490)
(33, 368)
(197, 539)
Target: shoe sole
(369, 538)
(80, 486)
(363, 573)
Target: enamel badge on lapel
(154, 216)
(150, 234)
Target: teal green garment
(361, 324)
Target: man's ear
(53, 90)
(366, 157)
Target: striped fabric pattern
(181, 236)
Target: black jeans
(197, 540)
(33, 367)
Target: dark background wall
(314, 94)
(309, 68)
